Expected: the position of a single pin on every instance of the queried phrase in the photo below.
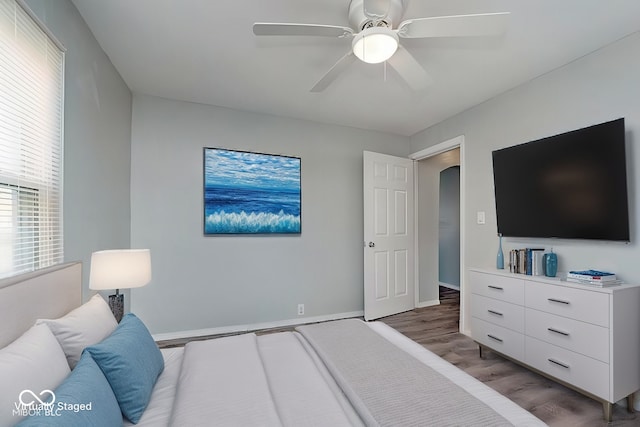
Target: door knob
(372, 245)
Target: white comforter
(277, 380)
(271, 381)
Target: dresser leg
(631, 400)
(607, 411)
(480, 350)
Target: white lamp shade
(374, 45)
(120, 269)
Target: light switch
(480, 217)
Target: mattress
(279, 380)
(505, 407)
(158, 412)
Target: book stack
(526, 261)
(599, 279)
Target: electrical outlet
(300, 309)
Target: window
(31, 118)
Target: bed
(97, 372)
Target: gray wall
(602, 86)
(449, 218)
(215, 281)
(97, 140)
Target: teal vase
(550, 264)
(500, 257)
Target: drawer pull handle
(497, 288)
(494, 338)
(495, 312)
(564, 365)
(559, 301)
(566, 334)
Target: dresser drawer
(583, 372)
(510, 289)
(585, 338)
(500, 339)
(501, 313)
(578, 304)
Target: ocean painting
(250, 193)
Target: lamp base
(116, 304)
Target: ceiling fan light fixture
(374, 45)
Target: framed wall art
(251, 193)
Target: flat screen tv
(570, 186)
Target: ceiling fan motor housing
(360, 21)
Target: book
(512, 261)
(592, 275)
(537, 262)
(595, 283)
(593, 278)
(526, 261)
(592, 272)
(531, 263)
(522, 261)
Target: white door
(388, 233)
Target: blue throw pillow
(131, 362)
(83, 399)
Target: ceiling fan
(376, 31)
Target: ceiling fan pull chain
(385, 71)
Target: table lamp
(119, 269)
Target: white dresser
(585, 337)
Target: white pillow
(33, 362)
(86, 325)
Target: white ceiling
(204, 51)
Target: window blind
(31, 128)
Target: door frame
(450, 144)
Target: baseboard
(428, 303)
(450, 286)
(254, 326)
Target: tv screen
(572, 185)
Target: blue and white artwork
(250, 193)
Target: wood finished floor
(436, 328)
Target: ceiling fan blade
(485, 24)
(409, 69)
(276, 29)
(331, 75)
(376, 8)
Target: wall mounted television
(569, 186)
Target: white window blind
(31, 119)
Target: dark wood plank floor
(436, 328)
